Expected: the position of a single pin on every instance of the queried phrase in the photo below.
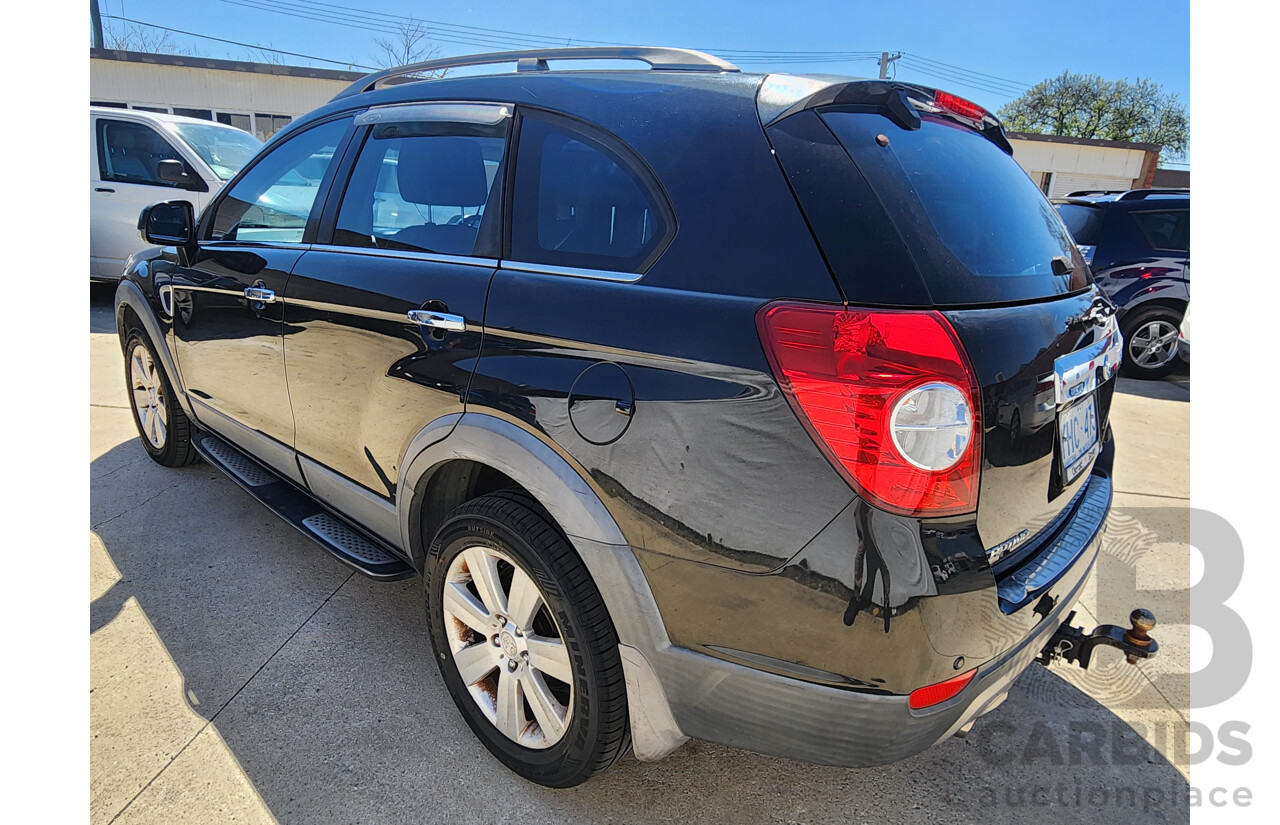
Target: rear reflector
(888, 395)
(930, 695)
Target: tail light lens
(957, 104)
(889, 396)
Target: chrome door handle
(438, 320)
(257, 293)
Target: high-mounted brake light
(930, 695)
(962, 107)
(890, 398)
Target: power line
(236, 42)
(961, 70)
(958, 80)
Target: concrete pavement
(239, 674)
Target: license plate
(1077, 437)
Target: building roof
(224, 65)
(1114, 144)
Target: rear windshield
(1084, 222)
(979, 230)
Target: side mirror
(168, 223)
(175, 172)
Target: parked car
(137, 158)
(1139, 246)
(1184, 335)
(680, 389)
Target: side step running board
(349, 545)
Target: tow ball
(1073, 645)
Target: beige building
(257, 97)
(1060, 165)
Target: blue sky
(988, 51)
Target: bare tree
(409, 44)
(264, 54)
(133, 38)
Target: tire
(585, 730)
(1149, 325)
(163, 427)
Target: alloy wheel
(148, 397)
(1153, 344)
(507, 647)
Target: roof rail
(535, 60)
(1084, 192)
(1142, 194)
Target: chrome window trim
(428, 257)
(573, 272)
(251, 245)
(483, 114)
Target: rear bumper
(732, 704)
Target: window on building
(108, 104)
(203, 114)
(264, 126)
(164, 110)
(239, 121)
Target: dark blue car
(1138, 245)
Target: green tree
(1090, 106)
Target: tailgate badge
(1006, 547)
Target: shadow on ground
(348, 718)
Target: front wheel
(163, 427)
(524, 643)
(1151, 343)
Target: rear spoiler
(781, 96)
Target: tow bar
(1072, 645)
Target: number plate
(1077, 437)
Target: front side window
(578, 203)
(273, 200)
(1166, 230)
(421, 187)
(131, 152)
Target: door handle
(257, 293)
(103, 189)
(438, 320)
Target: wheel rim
(507, 647)
(1153, 344)
(148, 397)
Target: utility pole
(95, 20)
(885, 60)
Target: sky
(989, 52)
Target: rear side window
(1084, 222)
(979, 229)
(131, 152)
(421, 187)
(580, 203)
(1166, 229)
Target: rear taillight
(958, 105)
(889, 396)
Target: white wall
(1078, 166)
(202, 88)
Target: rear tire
(1151, 342)
(543, 688)
(163, 427)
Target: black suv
(1138, 244)
(679, 388)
